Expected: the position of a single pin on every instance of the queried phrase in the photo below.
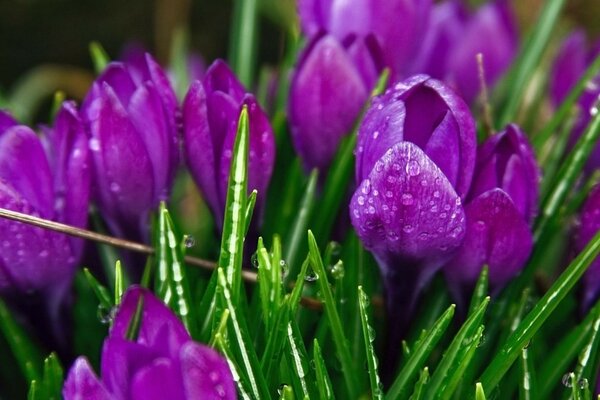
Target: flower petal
(83, 384)
(206, 374)
(159, 380)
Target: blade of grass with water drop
(286, 393)
(298, 286)
(588, 358)
(324, 385)
(241, 341)
(26, 352)
(538, 315)
(376, 386)
(529, 58)
(172, 286)
(265, 284)
(221, 345)
(458, 354)
(234, 224)
(479, 393)
(481, 289)
(207, 309)
(297, 359)
(419, 389)
(528, 384)
(419, 355)
(99, 290)
(50, 387)
(296, 235)
(351, 378)
(120, 283)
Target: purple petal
(23, 163)
(117, 76)
(206, 374)
(497, 235)
(159, 380)
(326, 95)
(6, 121)
(407, 207)
(83, 384)
(367, 57)
(314, 15)
(220, 78)
(163, 87)
(589, 225)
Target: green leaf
(457, 355)
(99, 57)
(341, 344)
(172, 286)
(376, 385)
(323, 381)
(207, 309)
(298, 363)
(298, 286)
(50, 387)
(234, 224)
(481, 289)
(100, 291)
(419, 389)
(542, 310)
(529, 58)
(422, 350)
(242, 46)
(588, 359)
(221, 345)
(286, 393)
(119, 283)
(242, 349)
(479, 393)
(221, 328)
(269, 281)
(250, 203)
(527, 387)
(272, 355)
(27, 354)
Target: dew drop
(436, 194)
(337, 271)
(189, 241)
(407, 199)
(115, 187)
(361, 200)
(213, 376)
(371, 210)
(392, 179)
(566, 380)
(595, 107)
(375, 134)
(424, 236)
(254, 260)
(389, 194)
(94, 144)
(311, 277)
(408, 228)
(413, 168)
(424, 182)
(105, 315)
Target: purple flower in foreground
(162, 363)
(398, 25)
(589, 225)
(501, 206)
(454, 38)
(130, 114)
(571, 62)
(48, 179)
(414, 163)
(210, 117)
(330, 85)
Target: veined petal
(205, 373)
(83, 384)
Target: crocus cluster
(427, 198)
(161, 362)
(47, 178)
(574, 56)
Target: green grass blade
(300, 224)
(120, 284)
(241, 342)
(271, 357)
(172, 285)
(479, 393)
(99, 290)
(298, 286)
(527, 386)
(588, 359)
(99, 57)
(221, 329)
(53, 378)
(298, 363)
(242, 55)
(481, 289)
(251, 202)
(286, 393)
(27, 354)
(376, 385)
(207, 309)
(232, 242)
(323, 381)
(529, 58)
(265, 284)
(221, 345)
(542, 310)
(419, 355)
(351, 378)
(458, 353)
(420, 385)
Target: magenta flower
(210, 116)
(130, 115)
(48, 178)
(163, 362)
(455, 36)
(330, 85)
(500, 209)
(589, 225)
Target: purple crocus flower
(398, 25)
(572, 60)
(589, 225)
(210, 117)
(163, 362)
(414, 164)
(500, 209)
(50, 179)
(130, 114)
(454, 38)
(330, 85)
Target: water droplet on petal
(413, 168)
(94, 144)
(408, 228)
(407, 199)
(361, 200)
(115, 187)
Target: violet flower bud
(330, 85)
(163, 362)
(589, 225)
(52, 183)
(211, 111)
(414, 163)
(500, 209)
(130, 114)
(574, 56)
(398, 25)
(455, 37)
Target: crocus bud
(211, 111)
(589, 225)
(330, 85)
(51, 183)
(414, 163)
(130, 114)
(573, 58)
(398, 25)
(455, 37)
(500, 209)
(163, 362)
